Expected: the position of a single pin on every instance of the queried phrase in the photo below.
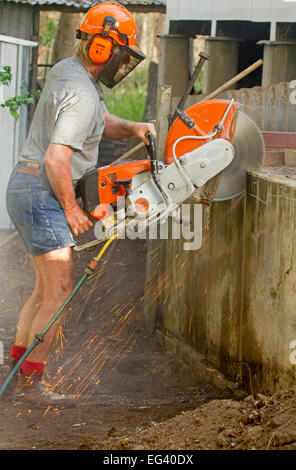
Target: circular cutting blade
(249, 152)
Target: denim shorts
(36, 214)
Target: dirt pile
(255, 423)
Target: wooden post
(151, 100)
(34, 63)
(279, 62)
(223, 63)
(174, 66)
(162, 121)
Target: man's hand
(141, 130)
(78, 220)
(117, 128)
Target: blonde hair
(82, 47)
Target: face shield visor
(123, 60)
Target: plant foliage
(14, 103)
(127, 100)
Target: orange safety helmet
(110, 23)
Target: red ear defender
(100, 49)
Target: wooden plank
(164, 110)
(34, 66)
(285, 140)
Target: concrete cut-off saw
(208, 151)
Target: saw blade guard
(249, 149)
(238, 128)
(206, 117)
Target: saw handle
(155, 164)
(156, 168)
(151, 147)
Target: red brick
(274, 158)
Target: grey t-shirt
(70, 112)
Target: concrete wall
(223, 63)
(279, 63)
(234, 299)
(269, 314)
(174, 66)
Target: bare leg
(55, 269)
(30, 308)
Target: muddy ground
(121, 377)
(130, 393)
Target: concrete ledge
(198, 364)
(283, 175)
(233, 301)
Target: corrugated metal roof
(271, 107)
(84, 4)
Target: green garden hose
(93, 264)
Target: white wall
(12, 53)
(253, 10)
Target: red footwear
(36, 391)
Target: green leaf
(6, 75)
(14, 114)
(15, 102)
(24, 91)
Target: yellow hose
(108, 242)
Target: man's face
(125, 60)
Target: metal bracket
(186, 119)
(39, 338)
(157, 166)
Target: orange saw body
(101, 187)
(198, 151)
(206, 115)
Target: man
(61, 147)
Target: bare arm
(117, 128)
(57, 162)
